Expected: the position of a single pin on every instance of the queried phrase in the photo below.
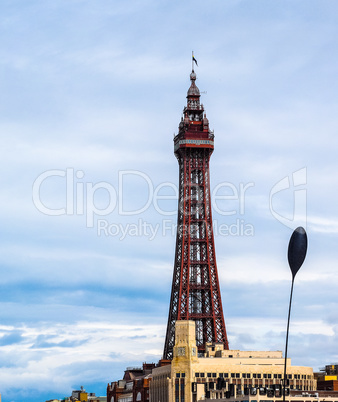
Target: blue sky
(91, 95)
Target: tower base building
(223, 373)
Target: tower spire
(195, 293)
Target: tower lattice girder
(195, 291)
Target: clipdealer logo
(167, 228)
(294, 186)
(81, 197)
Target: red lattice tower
(195, 293)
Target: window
(201, 374)
(177, 390)
(197, 374)
(226, 375)
(237, 375)
(182, 390)
(178, 375)
(208, 375)
(182, 375)
(232, 375)
(214, 375)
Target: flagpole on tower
(193, 61)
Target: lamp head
(297, 250)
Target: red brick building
(134, 387)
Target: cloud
(11, 338)
(64, 347)
(43, 341)
(323, 225)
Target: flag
(193, 57)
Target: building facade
(134, 387)
(222, 373)
(327, 379)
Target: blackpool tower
(195, 293)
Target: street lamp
(296, 256)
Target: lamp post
(296, 256)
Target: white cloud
(323, 225)
(81, 344)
